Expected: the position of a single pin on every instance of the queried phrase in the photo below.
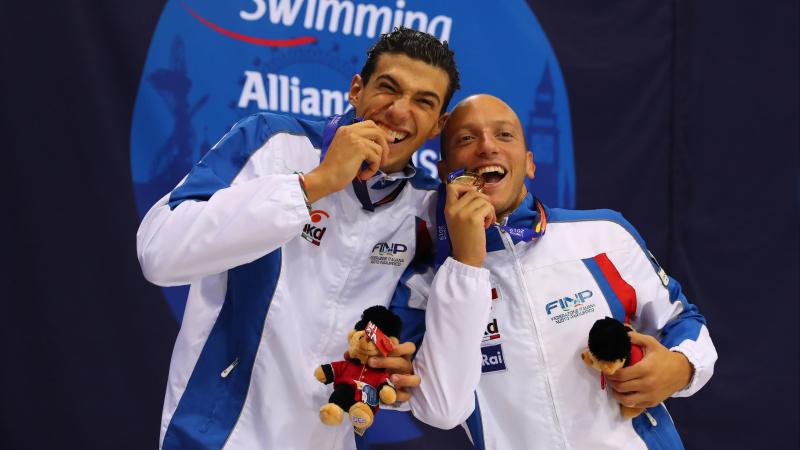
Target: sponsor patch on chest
(492, 333)
(314, 231)
(492, 359)
(570, 307)
(389, 254)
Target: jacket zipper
(509, 244)
(651, 418)
(228, 369)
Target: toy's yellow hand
(319, 374)
(388, 395)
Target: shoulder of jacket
(558, 215)
(262, 126)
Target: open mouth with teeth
(491, 174)
(394, 136)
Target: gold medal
(470, 179)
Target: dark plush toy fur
(357, 387)
(386, 320)
(609, 340)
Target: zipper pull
(228, 369)
(650, 418)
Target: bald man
(554, 272)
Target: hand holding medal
(468, 213)
(352, 148)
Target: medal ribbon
(359, 186)
(443, 248)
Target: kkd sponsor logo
(314, 233)
(492, 331)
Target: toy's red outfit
(345, 376)
(348, 371)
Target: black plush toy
(609, 350)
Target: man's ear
(356, 88)
(439, 125)
(530, 167)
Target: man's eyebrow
(387, 78)
(473, 125)
(504, 122)
(431, 94)
(394, 82)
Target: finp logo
(313, 233)
(567, 304)
(385, 248)
(570, 307)
(389, 254)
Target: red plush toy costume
(358, 389)
(363, 381)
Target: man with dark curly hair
(286, 230)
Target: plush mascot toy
(609, 350)
(357, 387)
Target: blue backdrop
(682, 115)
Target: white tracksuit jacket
(274, 291)
(535, 392)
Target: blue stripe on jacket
(614, 303)
(211, 404)
(662, 436)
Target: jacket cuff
(458, 268)
(698, 370)
(297, 208)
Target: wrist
(470, 260)
(317, 185)
(686, 369)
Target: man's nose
(399, 110)
(487, 145)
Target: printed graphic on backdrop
(212, 63)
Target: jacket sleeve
(231, 209)
(662, 310)
(457, 305)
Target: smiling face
(484, 135)
(404, 96)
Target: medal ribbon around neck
(359, 186)
(443, 247)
